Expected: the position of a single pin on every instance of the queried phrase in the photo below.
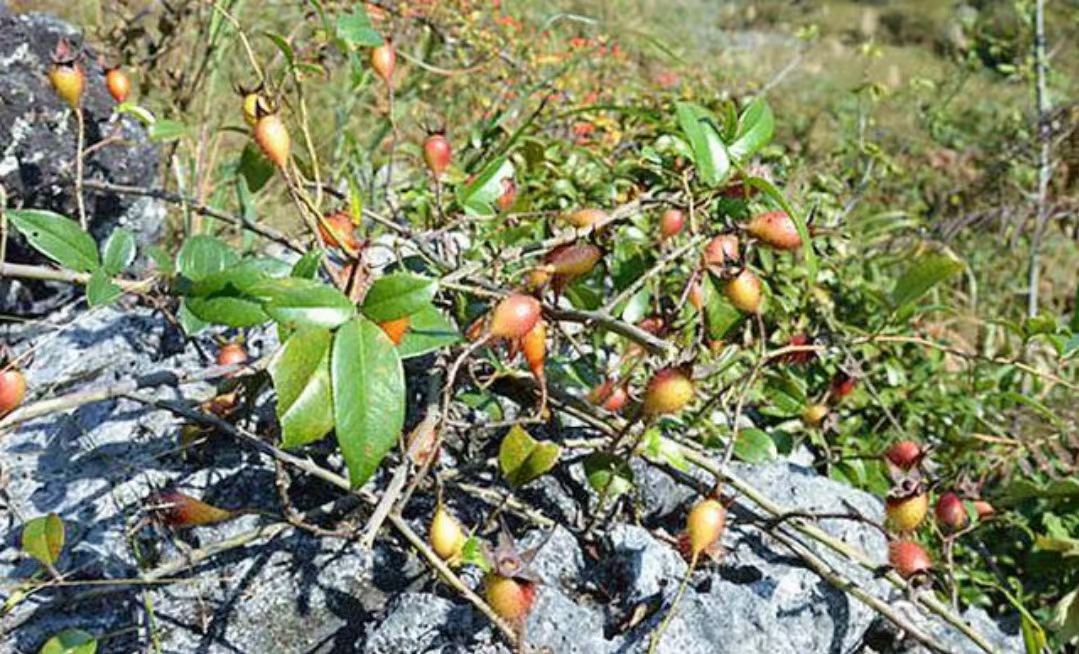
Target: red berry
(671, 223)
(904, 454)
(273, 138)
(667, 392)
(705, 524)
(534, 348)
(510, 597)
(572, 259)
(951, 512)
(775, 228)
(842, 385)
(12, 390)
(744, 291)
(437, 154)
(515, 316)
(509, 195)
(908, 558)
(984, 509)
(721, 250)
(583, 218)
(609, 396)
(383, 60)
(337, 228)
(231, 354)
(119, 84)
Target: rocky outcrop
(299, 592)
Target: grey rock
(37, 149)
(645, 566)
(421, 622)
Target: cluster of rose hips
(68, 78)
(907, 506)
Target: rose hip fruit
(904, 454)
(510, 597)
(177, 509)
(667, 392)
(437, 154)
(814, 414)
(445, 534)
(383, 60)
(231, 354)
(908, 558)
(583, 218)
(671, 223)
(273, 138)
(744, 291)
(906, 506)
(572, 259)
(395, 329)
(534, 348)
(66, 74)
(776, 229)
(337, 228)
(721, 250)
(609, 396)
(515, 316)
(118, 83)
(951, 513)
(12, 390)
(705, 524)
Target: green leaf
(118, 252)
(472, 554)
(161, 259)
(398, 295)
(720, 315)
(1065, 620)
(70, 641)
(101, 291)
(368, 396)
(163, 131)
(608, 474)
(202, 255)
(658, 448)
(225, 297)
(297, 301)
(191, 323)
(755, 446)
(923, 274)
(307, 266)
(479, 196)
(43, 538)
(283, 45)
(523, 459)
(355, 29)
(301, 376)
(59, 238)
(255, 168)
(709, 152)
(757, 125)
(428, 330)
(800, 224)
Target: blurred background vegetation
(904, 122)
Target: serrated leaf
(756, 127)
(355, 29)
(118, 252)
(304, 302)
(43, 538)
(428, 330)
(368, 396)
(923, 274)
(300, 371)
(101, 290)
(398, 295)
(754, 446)
(59, 238)
(202, 255)
(608, 475)
(479, 196)
(523, 459)
(70, 641)
(709, 152)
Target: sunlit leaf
(301, 376)
(398, 295)
(709, 152)
(43, 538)
(59, 238)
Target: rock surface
(297, 592)
(38, 137)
